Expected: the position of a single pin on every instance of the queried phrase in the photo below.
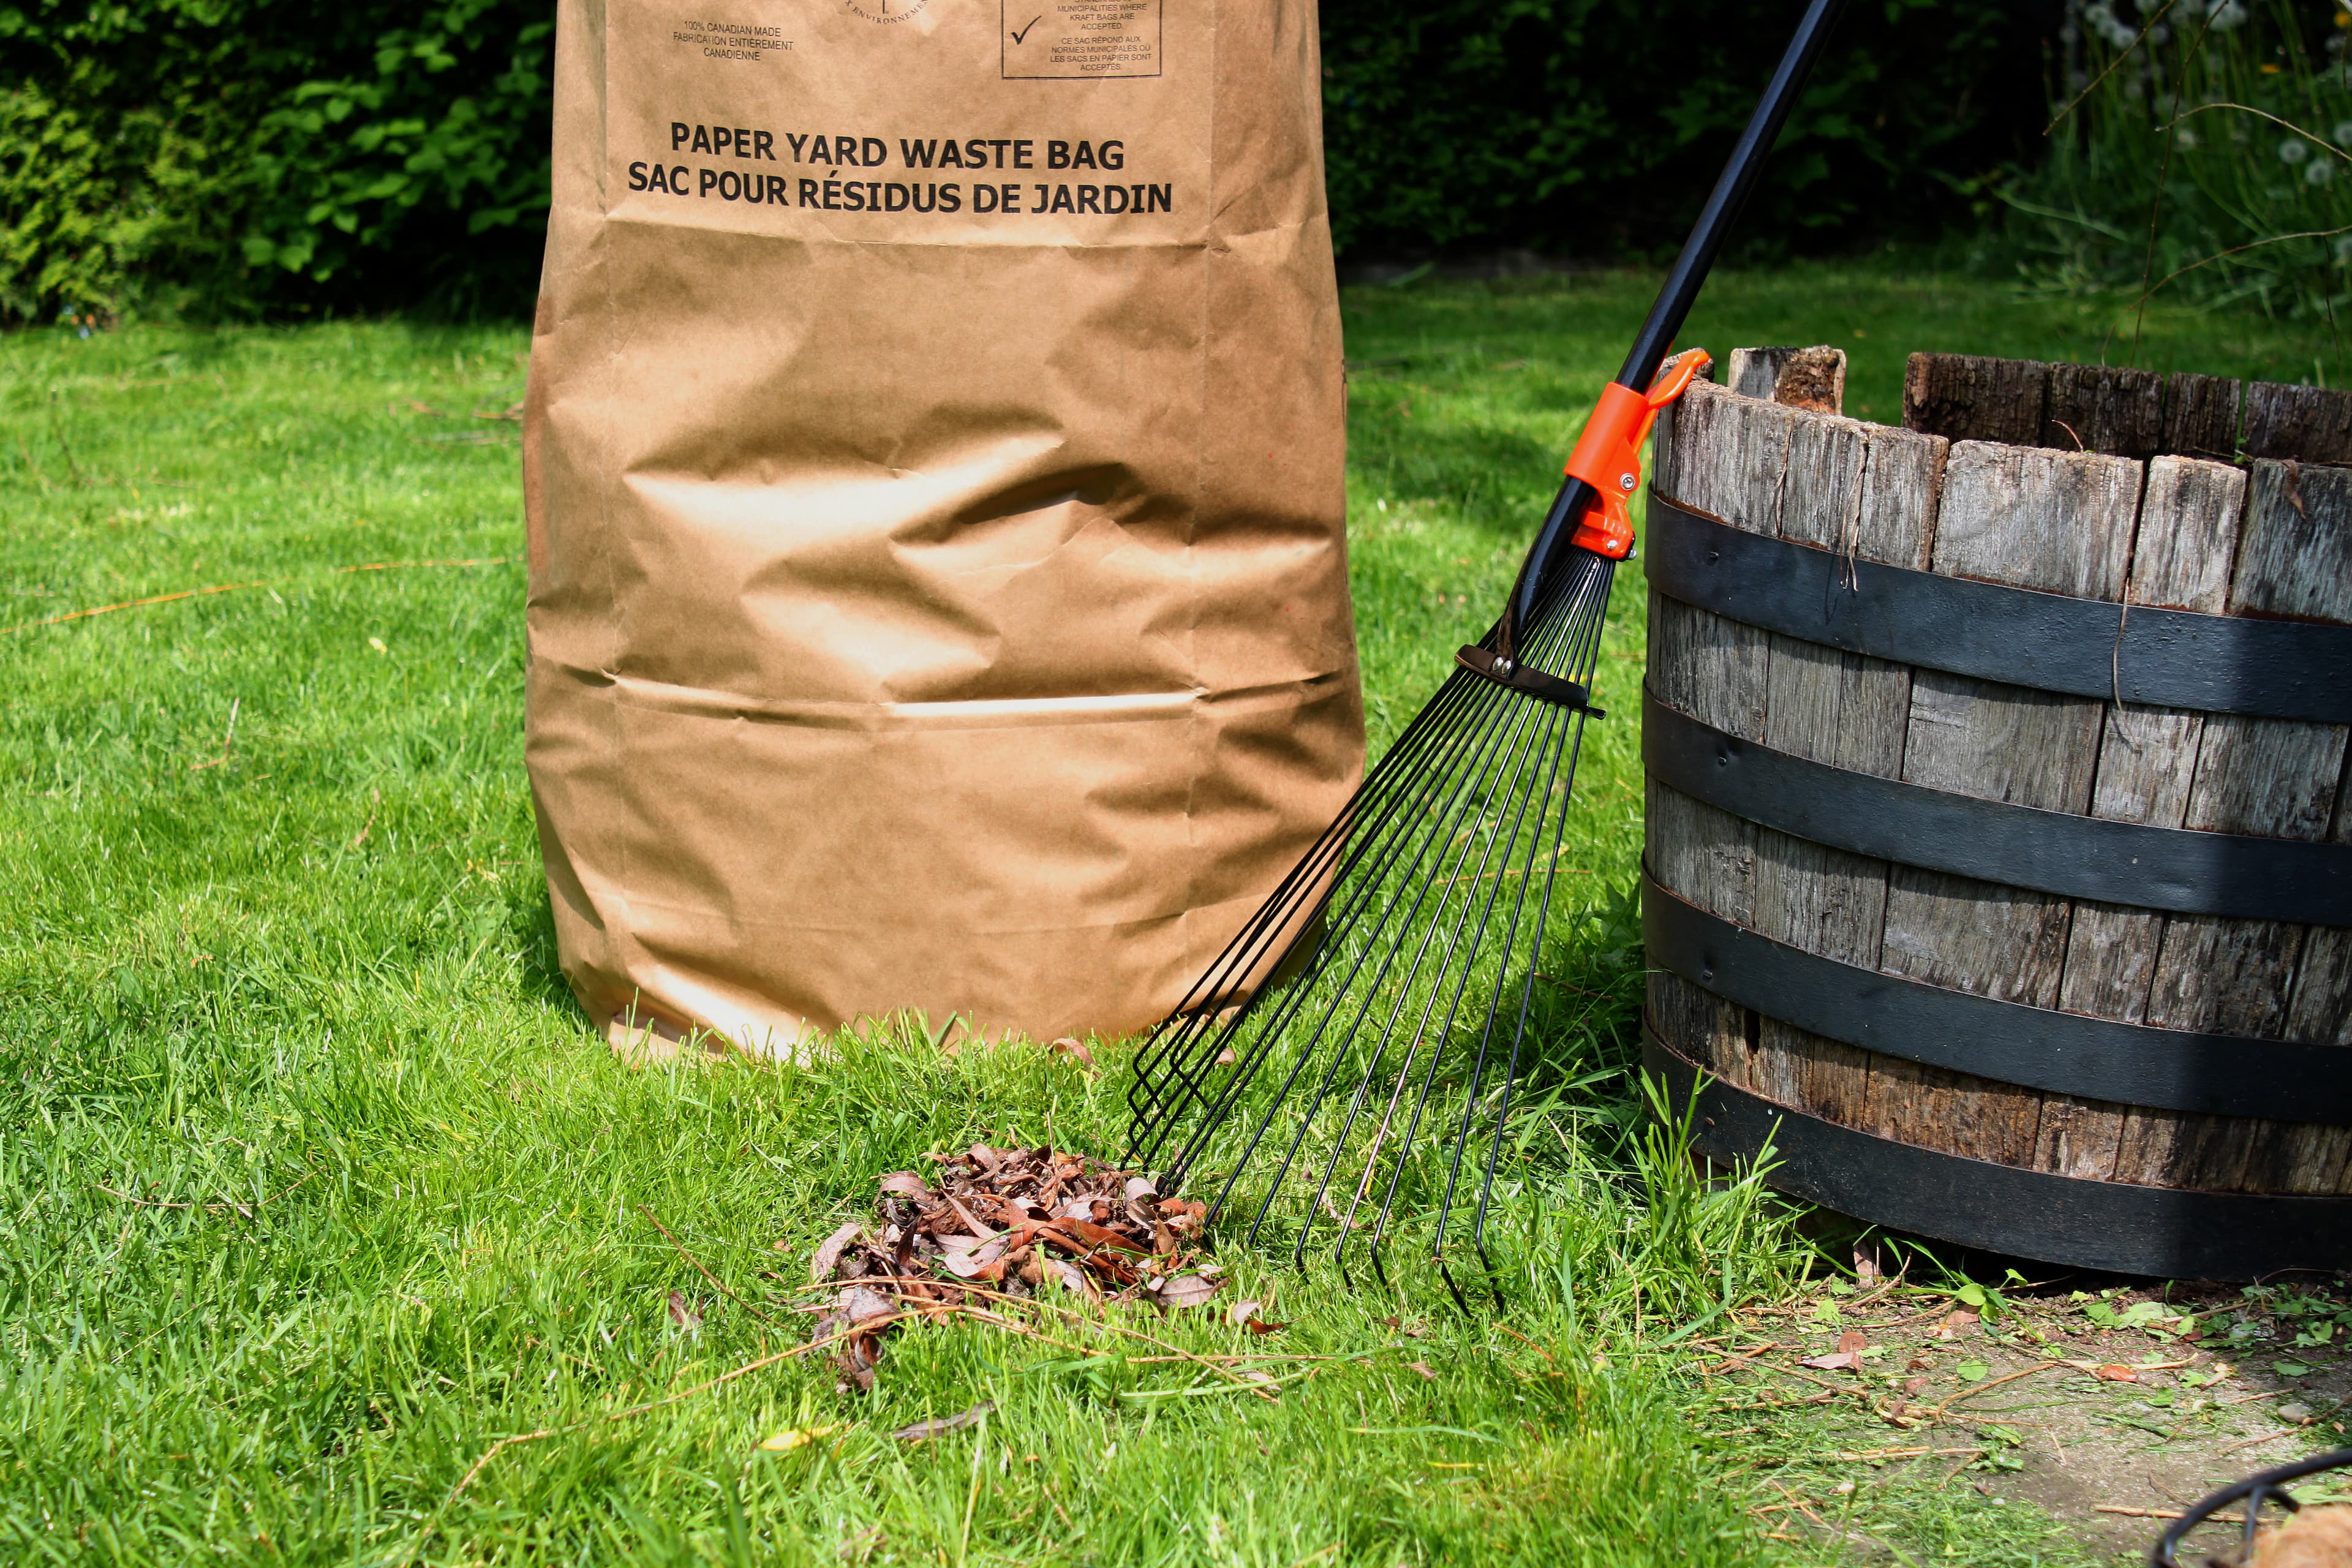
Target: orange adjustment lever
(1607, 456)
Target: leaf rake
(1394, 967)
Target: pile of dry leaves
(994, 1224)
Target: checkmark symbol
(1025, 31)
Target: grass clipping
(999, 1223)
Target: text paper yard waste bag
(933, 467)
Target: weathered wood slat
(2286, 779)
(2201, 415)
(1963, 397)
(2309, 423)
(2034, 519)
(1812, 379)
(1872, 492)
(2187, 535)
(2298, 562)
(2104, 408)
(1714, 670)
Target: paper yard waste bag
(933, 468)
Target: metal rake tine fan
(1394, 966)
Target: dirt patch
(2110, 1406)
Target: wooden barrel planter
(1999, 848)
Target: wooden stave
(1725, 675)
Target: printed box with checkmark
(1080, 39)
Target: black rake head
(1386, 987)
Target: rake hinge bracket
(1525, 677)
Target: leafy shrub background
(225, 157)
(2210, 153)
(1587, 126)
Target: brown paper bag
(933, 468)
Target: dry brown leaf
(922, 1431)
(1185, 1290)
(1260, 1326)
(1847, 1357)
(1067, 1046)
(1066, 1217)
(1422, 1367)
(2116, 1373)
(827, 1257)
(970, 1257)
(683, 1316)
(858, 1304)
(1242, 1312)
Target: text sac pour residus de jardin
(833, 193)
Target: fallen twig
(1527, 1341)
(493, 1451)
(1740, 1358)
(207, 1207)
(1936, 1410)
(233, 588)
(705, 1273)
(2117, 1508)
(932, 1305)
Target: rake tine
(1454, 1003)
(1572, 736)
(1187, 1054)
(1244, 953)
(1402, 997)
(1452, 946)
(1526, 998)
(1181, 1067)
(1429, 1078)
(1463, 797)
(1369, 957)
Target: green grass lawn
(314, 1184)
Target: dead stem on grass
(255, 582)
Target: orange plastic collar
(1607, 456)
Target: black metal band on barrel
(2060, 1219)
(2049, 642)
(2038, 1048)
(1527, 679)
(2048, 851)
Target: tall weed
(2202, 148)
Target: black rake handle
(1677, 295)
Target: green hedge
(230, 156)
(226, 157)
(1587, 126)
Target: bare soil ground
(2099, 1409)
